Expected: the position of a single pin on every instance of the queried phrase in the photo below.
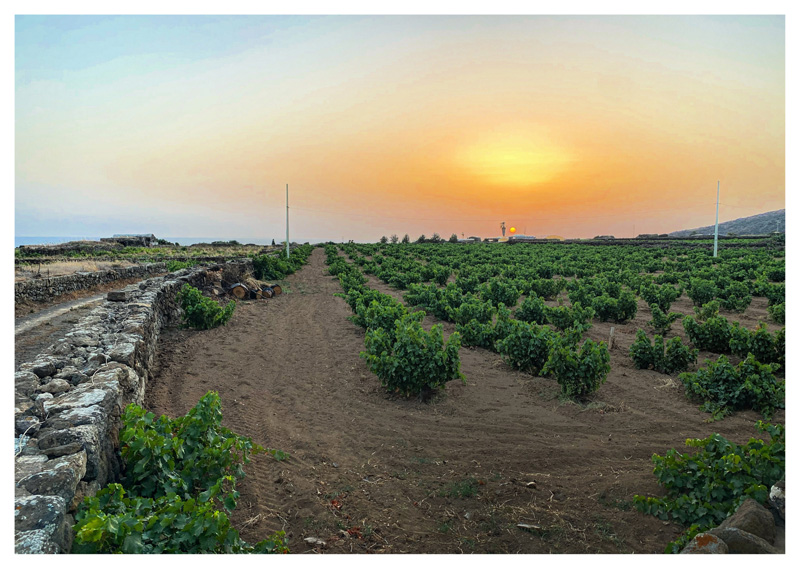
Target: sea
(184, 241)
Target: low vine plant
(178, 490)
(200, 312)
(704, 487)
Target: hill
(761, 224)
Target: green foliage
(200, 312)
(579, 373)
(766, 347)
(411, 361)
(472, 309)
(278, 267)
(712, 335)
(723, 388)
(668, 358)
(618, 310)
(526, 347)
(705, 487)
(661, 322)
(701, 291)
(735, 297)
(178, 490)
(547, 288)
(662, 296)
(708, 310)
(563, 317)
(500, 291)
(175, 265)
(532, 310)
(777, 312)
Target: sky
(192, 126)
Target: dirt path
(372, 473)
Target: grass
(463, 489)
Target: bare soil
(497, 465)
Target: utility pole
(287, 221)
(716, 223)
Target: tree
(421, 239)
(393, 239)
(453, 238)
(406, 240)
(436, 238)
(273, 242)
(384, 240)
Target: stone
(118, 296)
(26, 382)
(705, 543)
(26, 424)
(56, 386)
(65, 450)
(41, 525)
(754, 518)
(123, 353)
(777, 498)
(58, 477)
(82, 491)
(42, 366)
(101, 461)
(742, 542)
(45, 396)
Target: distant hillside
(761, 224)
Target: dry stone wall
(43, 289)
(68, 403)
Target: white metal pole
(716, 223)
(287, 221)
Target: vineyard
(492, 398)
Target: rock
(58, 477)
(42, 366)
(777, 498)
(123, 353)
(82, 491)
(101, 459)
(118, 296)
(56, 386)
(44, 397)
(41, 525)
(26, 382)
(27, 425)
(741, 542)
(65, 450)
(753, 518)
(705, 543)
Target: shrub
(175, 265)
(618, 310)
(409, 360)
(668, 359)
(735, 297)
(766, 347)
(499, 291)
(662, 296)
(724, 388)
(701, 291)
(579, 373)
(712, 335)
(563, 317)
(547, 288)
(526, 347)
(531, 310)
(178, 490)
(200, 312)
(708, 310)
(778, 312)
(706, 486)
(661, 322)
(472, 309)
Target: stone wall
(68, 403)
(44, 289)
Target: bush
(668, 359)
(473, 309)
(531, 310)
(735, 297)
(178, 490)
(662, 296)
(411, 361)
(547, 288)
(661, 322)
(563, 317)
(708, 310)
(526, 347)
(707, 486)
(499, 291)
(200, 312)
(712, 335)
(777, 312)
(618, 310)
(175, 265)
(579, 373)
(723, 388)
(701, 291)
(766, 347)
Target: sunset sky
(191, 126)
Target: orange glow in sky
(571, 125)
